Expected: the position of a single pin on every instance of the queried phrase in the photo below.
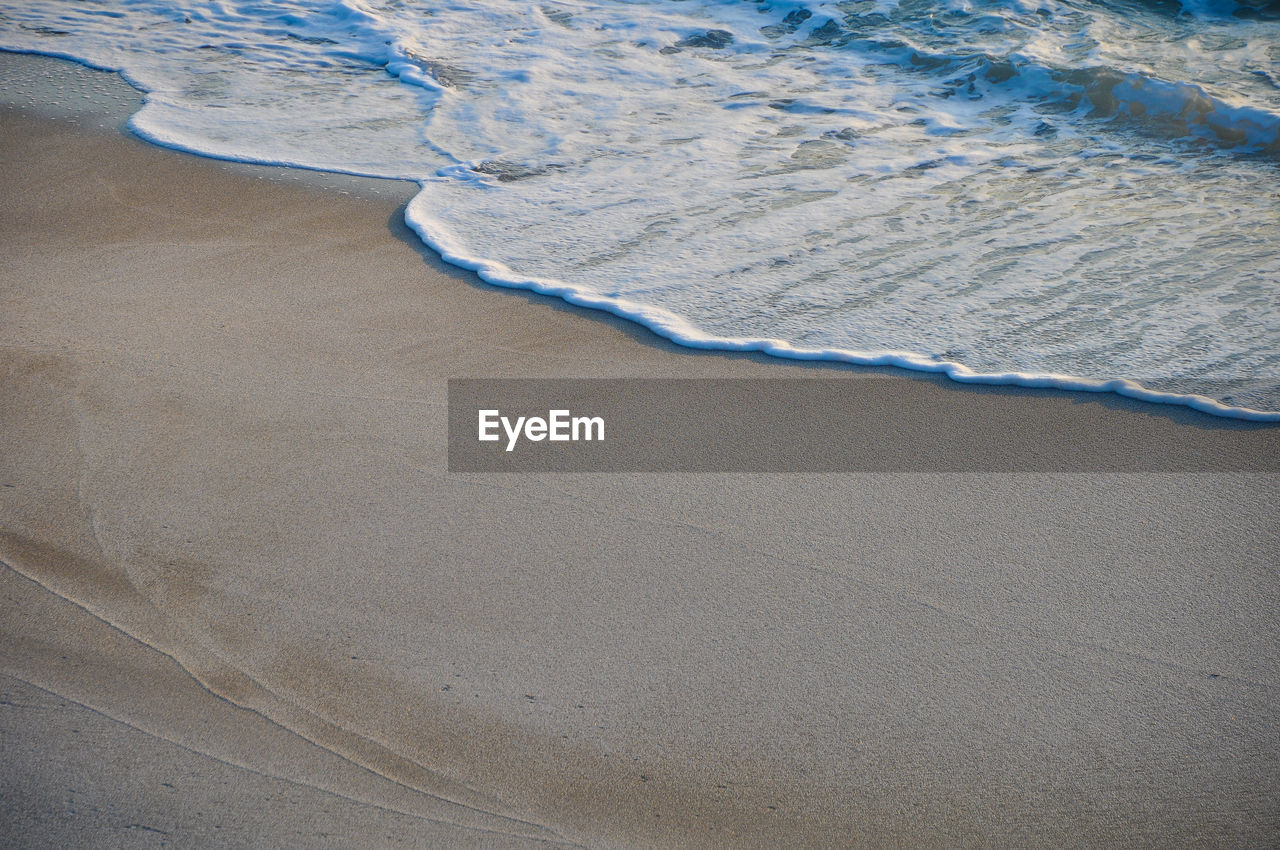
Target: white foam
(1030, 194)
(679, 330)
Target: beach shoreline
(228, 526)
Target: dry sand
(245, 604)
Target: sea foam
(1047, 194)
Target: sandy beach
(245, 604)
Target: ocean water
(1075, 193)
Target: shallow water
(1078, 194)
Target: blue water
(1037, 192)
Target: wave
(1176, 110)
(680, 331)
(1168, 109)
(830, 185)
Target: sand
(244, 603)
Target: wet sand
(244, 602)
